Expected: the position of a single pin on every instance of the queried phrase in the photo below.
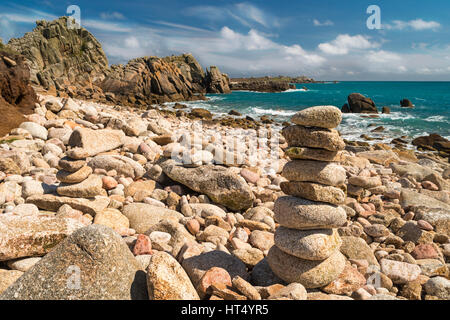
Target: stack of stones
(307, 243)
(77, 180)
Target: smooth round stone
(308, 244)
(70, 165)
(311, 274)
(321, 116)
(160, 237)
(313, 154)
(302, 214)
(314, 192)
(74, 177)
(299, 136)
(321, 172)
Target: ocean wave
(294, 90)
(436, 119)
(279, 112)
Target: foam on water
(431, 113)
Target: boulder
(405, 103)
(432, 142)
(314, 192)
(89, 188)
(198, 265)
(221, 185)
(88, 143)
(94, 263)
(313, 154)
(53, 203)
(299, 136)
(357, 249)
(7, 278)
(416, 201)
(167, 280)
(311, 274)
(438, 287)
(323, 116)
(400, 272)
(302, 214)
(310, 244)
(123, 165)
(144, 216)
(32, 235)
(14, 162)
(357, 103)
(74, 177)
(36, 130)
(315, 171)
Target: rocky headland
(71, 63)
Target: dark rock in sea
(234, 113)
(179, 106)
(405, 103)
(266, 120)
(378, 129)
(201, 113)
(249, 118)
(217, 82)
(357, 103)
(432, 142)
(386, 110)
(17, 97)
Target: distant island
(269, 84)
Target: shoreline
(186, 206)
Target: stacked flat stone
(307, 243)
(77, 180)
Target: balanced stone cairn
(307, 243)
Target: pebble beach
(103, 201)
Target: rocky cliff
(216, 82)
(150, 80)
(71, 62)
(261, 85)
(17, 97)
(60, 57)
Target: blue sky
(325, 39)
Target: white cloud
(382, 56)
(326, 23)
(112, 16)
(245, 13)
(105, 25)
(418, 25)
(345, 43)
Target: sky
(323, 39)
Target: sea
(431, 112)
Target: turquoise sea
(430, 115)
